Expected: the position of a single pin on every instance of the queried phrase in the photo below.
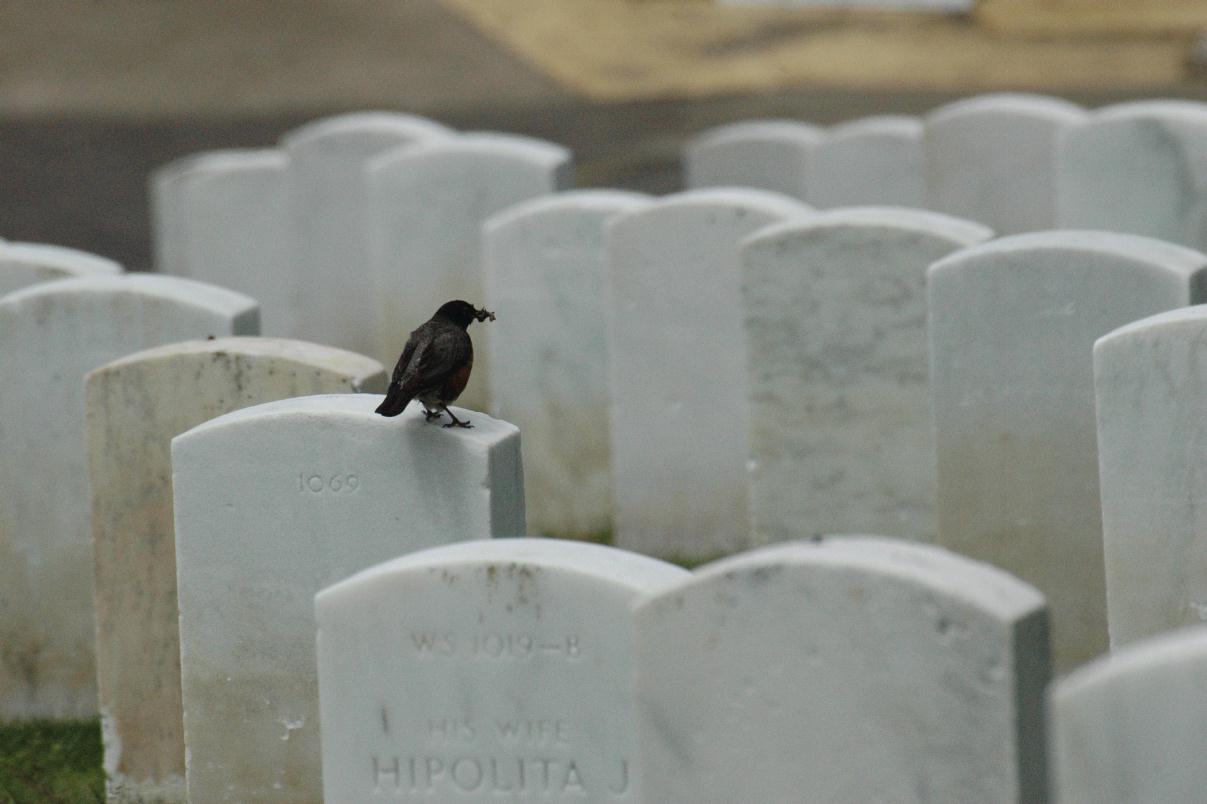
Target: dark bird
(435, 363)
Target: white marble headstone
(25, 264)
(764, 154)
(545, 264)
(484, 671)
(51, 335)
(992, 159)
(328, 221)
(876, 160)
(1140, 168)
(1131, 727)
(427, 207)
(222, 217)
(274, 503)
(835, 319)
(677, 360)
(134, 406)
(1012, 328)
(1150, 381)
(850, 669)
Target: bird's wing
(408, 353)
(447, 350)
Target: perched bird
(435, 363)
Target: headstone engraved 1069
(134, 406)
(484, 670)
(52, 334)
(277, 501)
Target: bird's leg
(429, 414)
(455, 421)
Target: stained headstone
(135, 405)
(841, 439)
(876, 160)
(222, 217)
(993, 159)
(545, 264)
(770, 155)
(1131, 727)
(274, 503)
(427, 207)
(677, 361)
(52, 334)
(847, 669)
(25, 264)
(1152, 403)
(1012, 327)
(484, 670)
(1139, 168)
(328, 221)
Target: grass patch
(51, 762)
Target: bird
(435, 363)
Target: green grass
(51, 762)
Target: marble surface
(272, 504)
(772, 155)
(677, 362)
(834, 310)
(426, 209)
(52, 334)
(993, 159)
(133, 408)
(482, 671)
(846, 669)
(545, 264)
(1012, 328)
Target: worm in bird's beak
(484, 314)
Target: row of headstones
(1015, 163)
(772, 375)
(132, 572)
(832, 399)
(839, 669)
(355, 228)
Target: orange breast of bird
(456, 382)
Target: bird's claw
(455, 423)
(431, 415)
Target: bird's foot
(459, 423)
(431, 415)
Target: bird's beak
(484, 314)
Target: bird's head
(462, 313)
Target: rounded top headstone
(786, 131)
(484, 145)
(880, 125)
(68, 260)
(600, 200)
(1013, 103)
(375, 125)
(978, 584)
(907, 220)
(186, 292)
(1142, 250)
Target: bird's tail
(395, 401)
